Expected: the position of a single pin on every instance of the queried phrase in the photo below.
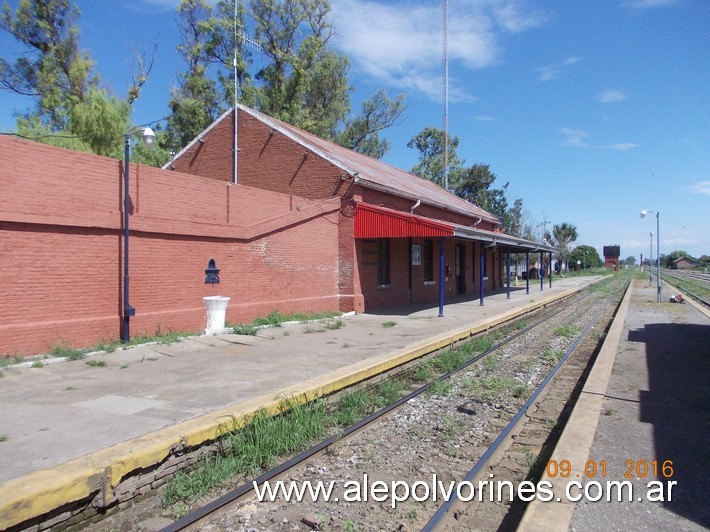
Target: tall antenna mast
(247, 40)
(446, 96)
(236, 97)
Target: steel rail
(665, 276)
(514, 422)
(200, 513)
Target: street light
(658, 248)
(584, 258)
(650, 262)
(148, 139)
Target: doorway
(460, 269)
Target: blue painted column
(507, 271)
(482, 253)
(540, 271)
(527, 272)
(550, 269)
(442, 277)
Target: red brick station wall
(61, 249)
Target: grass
(37, 364)
(276, 319)
(489, 388)
(3, 437)
(9, 361)
(389, 324)
(253, 448)
(256, 446)
(552, 355)
(530, 458)
(96, 363)
(568, 331)
(63, 351)
(441, 388)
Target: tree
(630, 260)
(667, 260)
(54, 71)
(196, 103)
(430, 144)
(304, 82)
(361, 134)
(563, 235)
(586, 255)
(70, 110)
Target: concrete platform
(646, 400)
(71, 429)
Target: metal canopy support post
(482, 253)
(507, 271)
(550, 269)
(441, 277)
(527, 272)
(126, 333)
(540, 271)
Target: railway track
(438, 428)
(691, 283)
(441, 425)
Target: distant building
(611, 257)
(683, 263)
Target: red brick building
(308, 226)
(391, 224)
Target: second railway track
(440, 432)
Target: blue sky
(591, 110)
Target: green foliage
(361, 134)
(53, 70)
(587, 255)
(61, 350)
(389, 324)
(562, 237)
(101, 121)
(667, 260)
(431, 146)
(567, 331)
(252, 448)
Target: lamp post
(658, 248)
(128, 311)
(650, 261)
(584, 258)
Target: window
(383, 262)
(428, 260)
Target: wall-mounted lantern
(212, 273)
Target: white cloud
(649, 4)
(610, 96)
(550, 72)
(702, 187)
(678, 241)
(577, 139)
(483, 118)
(633, 244)
(622, 146)
(399, 43)
(574, 137)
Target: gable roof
(368, 172)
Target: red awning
(380, 222)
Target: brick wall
(61, 249)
